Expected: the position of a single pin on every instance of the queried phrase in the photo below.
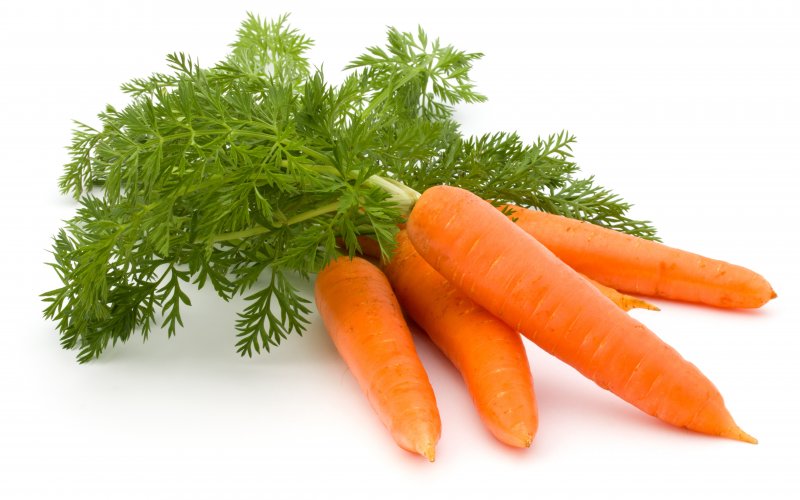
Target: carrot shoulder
(489, 355)
(635, 265)
(364, 320)
(516, 278)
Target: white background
(689, 109)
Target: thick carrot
(635, 265)
(364, 320)
(489, 355)
(626, 302)
(517, 279)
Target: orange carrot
(626, 302)
(364, 320)
(635, 265)
(369, 247)
(489, 355)
(499, 266)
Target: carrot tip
(774, 295)
(739, 435)
(426, 448)
(648, 306)
(747, 438)
(522, 436)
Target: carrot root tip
(747, 438)
(426, 448)
(739, 435)
(429, 452)
(521, 435)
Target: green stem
(324, 169)
(254, 231)
(398, 192)
(240, 235)
(324, 209)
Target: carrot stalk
(499, 266)
(489, 355)
(635, 265)
(364, 320)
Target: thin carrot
(624, 301)
(635, 265)
(517, 279)
(489, 355)
(364, 320)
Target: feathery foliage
(246, 172)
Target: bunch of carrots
(214, 175)
(474, 277)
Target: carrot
(635, 265)
(364, 320)
(626, 302)
(499, 266)
(368, 247)
(489, 355)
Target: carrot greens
(243, 174)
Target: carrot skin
(364, 320)
(504, 269)
(489, 355)
(635, 265)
